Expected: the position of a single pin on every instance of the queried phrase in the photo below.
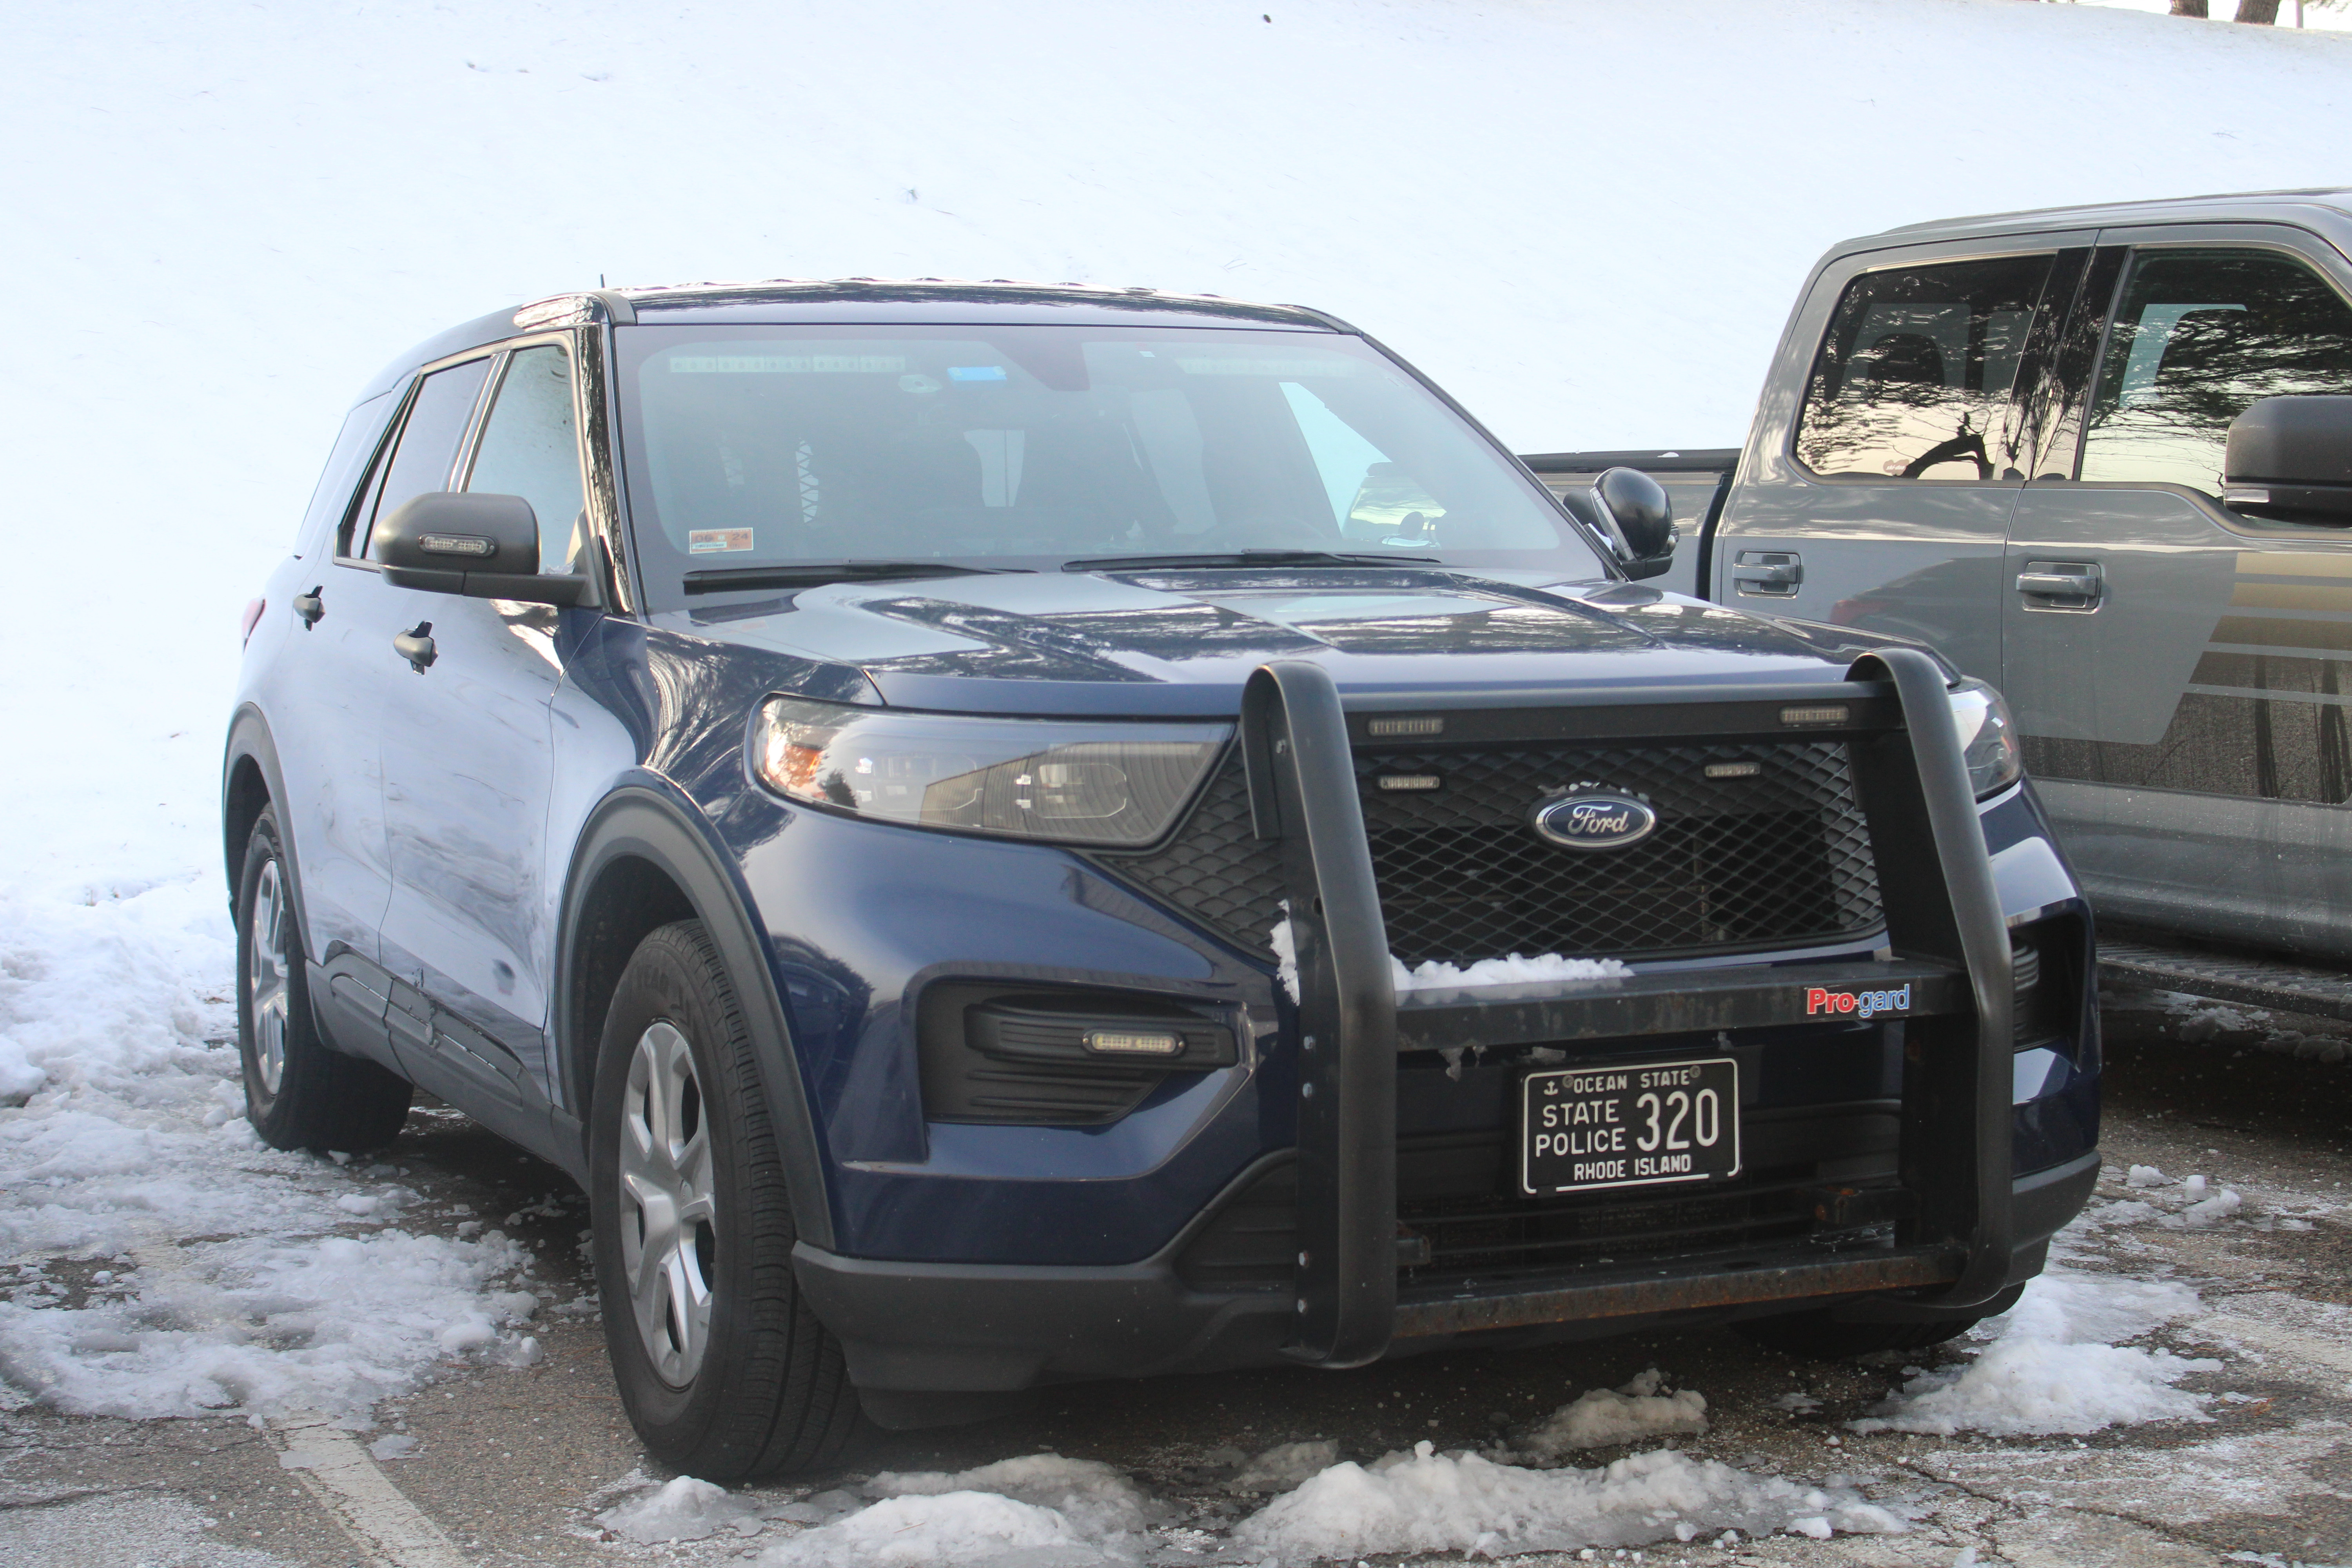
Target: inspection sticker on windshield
(717, 540)
(1631, 1126)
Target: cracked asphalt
(507, 1466)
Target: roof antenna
(599, 281)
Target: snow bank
(680, 1509)
(942, 1530)
(1428, 1501)
(1602, 1416)
(1096, 1499)
(265, 1324)
(1436, 974)
(2054, 1366)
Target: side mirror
(1637, 519)
(482, 546)
(2290, 458)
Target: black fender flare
(647, 819)
(249, 737)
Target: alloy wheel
(265, 976)
(668, 1230)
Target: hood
(1163, 642)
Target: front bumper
(1970, 1235)
(980, 1328)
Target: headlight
(1987, 738)
(1070, 783)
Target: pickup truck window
(2198, 335)
(1915, 376)
(1025, 446)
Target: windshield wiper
(818, 573)
(1243, 558)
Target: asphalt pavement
(511, 1465)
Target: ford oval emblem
(1593, 821)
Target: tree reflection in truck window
(1915, 376)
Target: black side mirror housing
(482, 546)
(2289, 459)
(1637, 519)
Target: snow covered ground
(1585, 217)
(2173, 1391)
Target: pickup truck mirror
(1637, 519)
(2290, 458)
(482, 546)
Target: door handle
(2067, 585)
(1773, 572)
(415, 646)
(310, 606)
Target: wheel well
(241, 806)
(630, 899)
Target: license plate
(1633, 1126)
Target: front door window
(1915, 375)
(2198, 335)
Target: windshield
(1028, 447)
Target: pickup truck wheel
(725, 1372)
(300, 1093)
(1815, 1336)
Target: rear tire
(724, 1370)
(1815, 1336)
(299, 1092)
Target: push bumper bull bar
(1945, 931)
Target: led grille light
(1111, 1043)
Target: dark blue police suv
(1012, 834)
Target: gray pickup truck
(2102, 458)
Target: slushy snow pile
(1046, 1511)
(1285, 1465)
(1055, 1512)
(1428, 1501)
(239, 1277)
(1602, 1416)
(2053, 1366)
(683, 1508)
(1436, 974)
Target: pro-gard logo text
(1821, 1002)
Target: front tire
(724, 1370)
(299, 1092)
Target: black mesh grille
(1779, 856)
(1733, 862)
(1216, 869)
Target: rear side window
(2198, 335)
(332, 497)
(427, 449)
(528, 448)
(1914, 379)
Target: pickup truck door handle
(415, 646)
(1775, 572)
(310, 606)
(2065, 585)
